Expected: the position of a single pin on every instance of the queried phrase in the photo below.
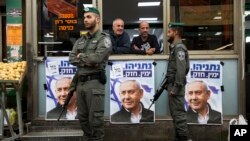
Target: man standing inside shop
(178, 68)
(145, 43)
(90, 54)
(119, 38)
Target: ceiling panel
(129, 12)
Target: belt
(84, 78)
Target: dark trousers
(178, 113)
(90, 109)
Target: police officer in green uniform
(178, 68)
(90, 54)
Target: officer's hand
(172, 93)
(173, 90)
(78, 55)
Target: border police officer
(90, 54)
(178, 68)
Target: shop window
(59, 26)
(131, 12)
(208, 23)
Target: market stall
(11, 77)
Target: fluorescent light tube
(88, 5)
(247, 12)
(135, 35)
(218, 33)
(217, 18)
(149, 3)
(247, 39)
(148, 19)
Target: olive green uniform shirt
(94, 50)
(178, 66)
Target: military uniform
(90, 81)
(178, 68)
(94, 52)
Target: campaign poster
(204, 93)
(131, 92)
(59, 74)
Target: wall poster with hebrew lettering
(131, 92)
(204, 92)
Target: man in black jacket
(119, 38)
(199, 110)
(145, 43)
(132, 110)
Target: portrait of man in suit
(199, 110)
(62, 86)
(132, 110)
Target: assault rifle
(159, 91)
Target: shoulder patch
(107, 42)
(181, 55)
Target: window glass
(208, 23)
(59, 26)
(130, 12)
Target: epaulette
(104, 33)
(182, 46)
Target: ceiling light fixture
(135, 35)
(218, 33)
(140, 4)
(88, 5)
(217, 18)
(148, 19)
(247, 39)
(247, 12)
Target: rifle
(159, 91)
